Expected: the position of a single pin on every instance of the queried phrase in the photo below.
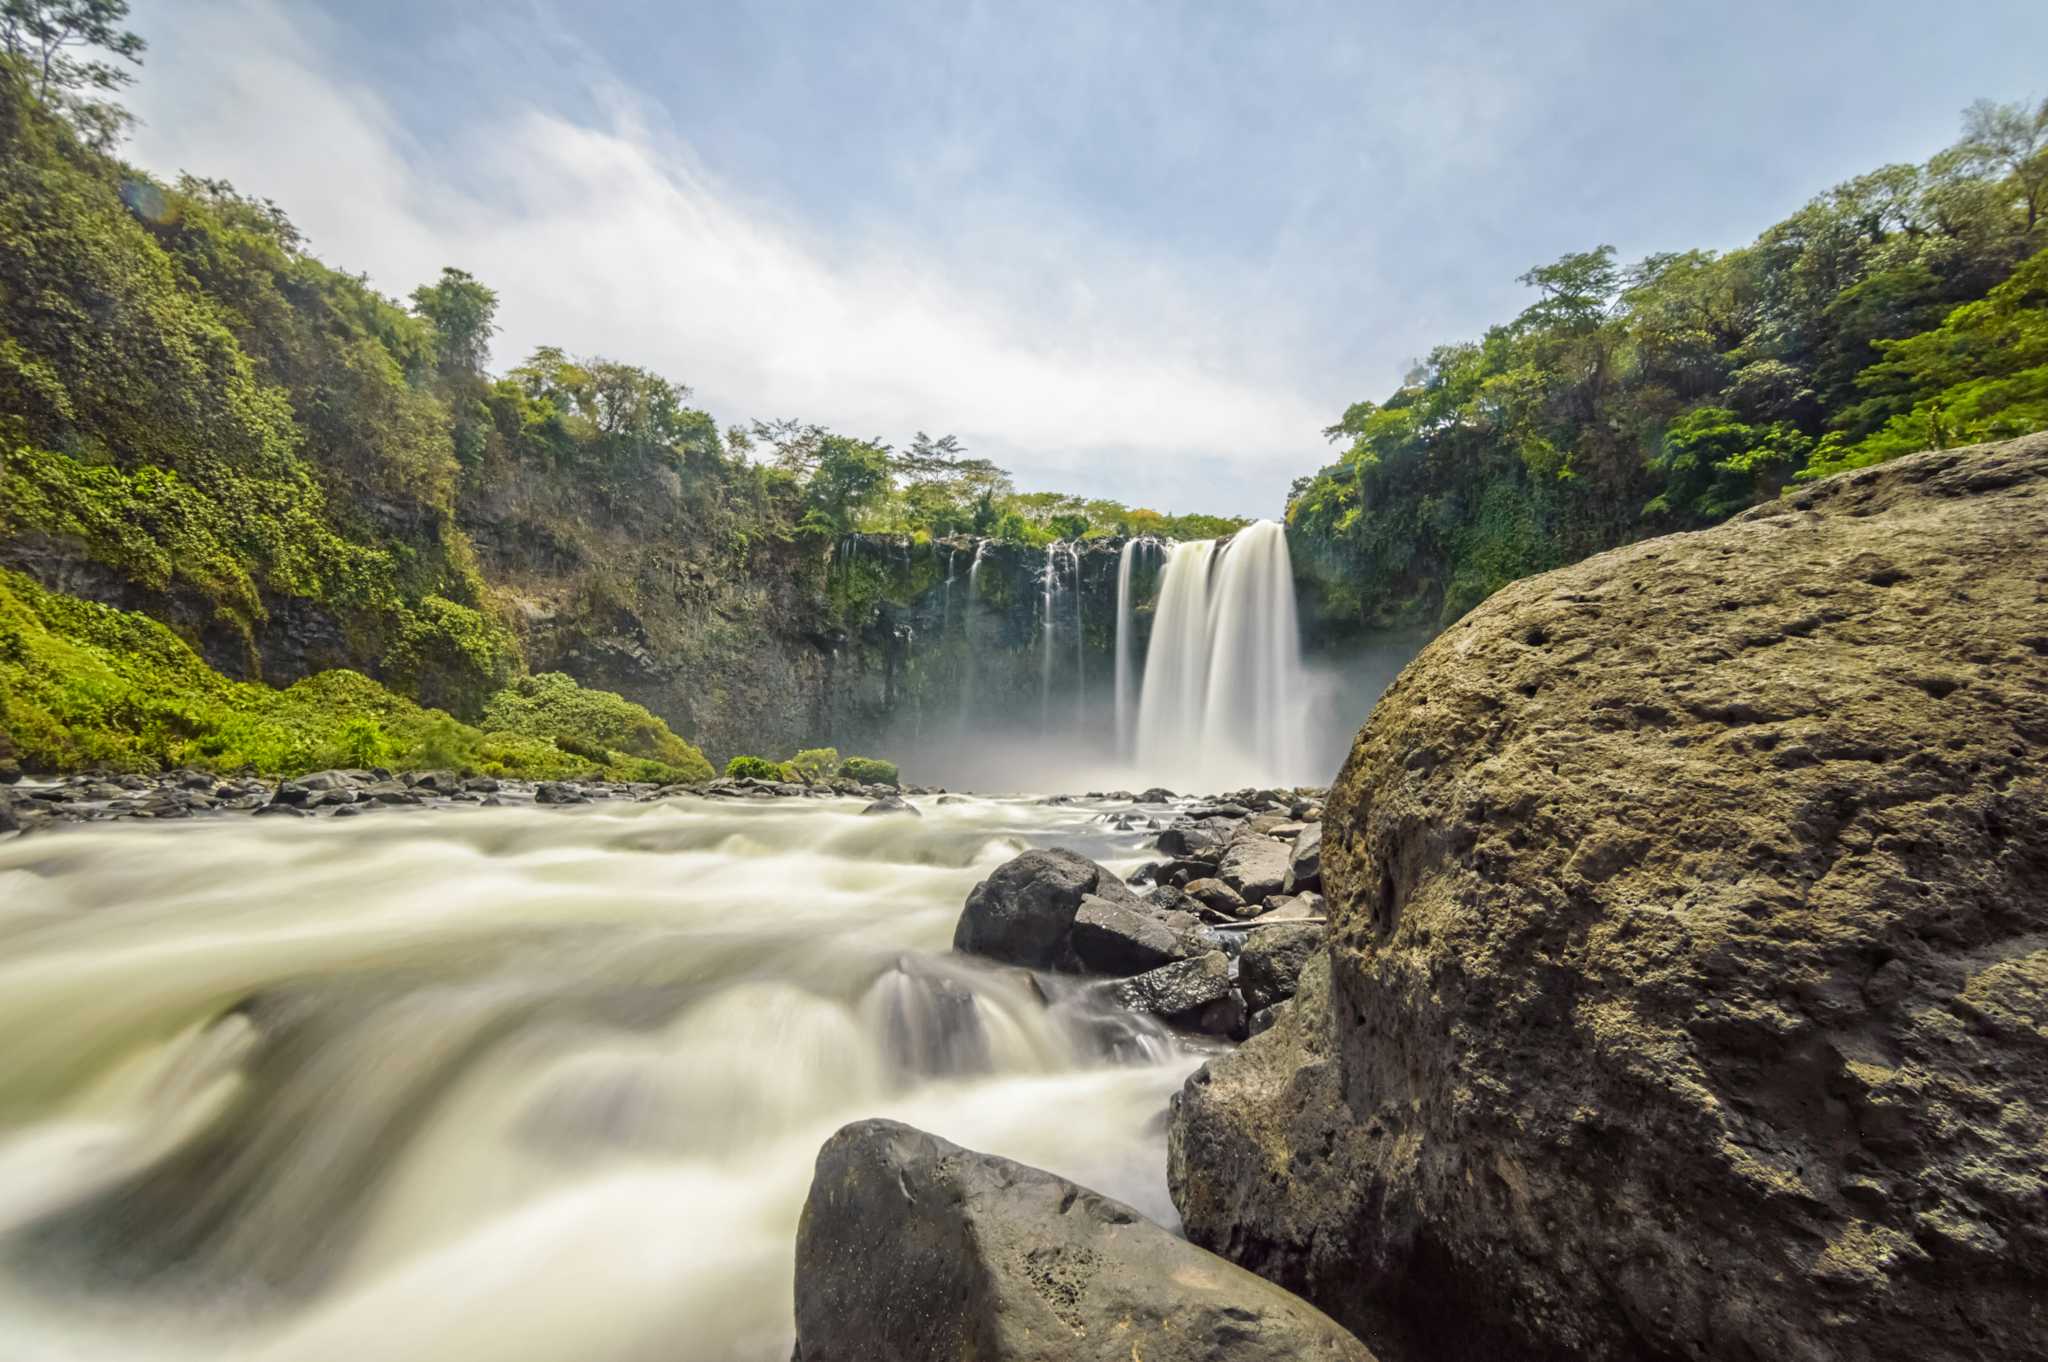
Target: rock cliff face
(1687, 994)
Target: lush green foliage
(754, 768)
(1902, 310)
(84, 685)
(869, 770)
(816, 763)
(589, 722)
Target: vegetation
(816, 763)
(935, 489)
(84, 685)
(1903, 310)
(755, 768)
(869, 770)
(592, 722)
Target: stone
(1158, 794)
(1127, 938)
(1193, 837)
(912, 1249)
(8, 821)
(558, 792)
(1305, 862)
(290, 792)
(440, 782)
(1685, 994)
(1253, 865)
(1196, 994)
(1023, 913)
(290, 810)
(954, 799)
(1272, 958)
(892, 804)
(1291, 908)
(1218, 897)
(323, 782)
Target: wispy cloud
(1075, 362)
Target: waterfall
(1080, 642)
(1126, 674)
(1222, 696)
(967, 633)
(1048, 597)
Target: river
(508, 1083)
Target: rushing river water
(508, 1084)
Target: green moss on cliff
(554, 707)
(84, 685)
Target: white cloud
(1081, 364)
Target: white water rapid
(1223, 696)
(514, 1084)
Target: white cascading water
(1126, 689)
(1223, 695)
(512, 1083)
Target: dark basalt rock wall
(1687, 994)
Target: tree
(464, 313)
(851, 475)
(2010, 140)
(44, 44)
(1576, 289)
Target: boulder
(1217, 896)
(1129, 938)
(1305, 862)
(1023, 913)
(892, 804)
(1687, 994)
(912, 1249)
(1272, 958)
(551, 792)
(8, 822)
(1200, 839)
(1254, 865)
(1158, 794)
(1195, 994)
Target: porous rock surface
(912, 1249)
(1687, 994)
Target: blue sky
(1136, 250)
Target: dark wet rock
(912, 1249)
(291, 792)
(290, 810)
(1196, 994)
(440, 782)
(1686, 994)
(1158, 794)
(1192, 837)
(1024, 912)
(954, 799)
(1305, 862)
(1129, 937)
(1218, 897)
(322, 782)
(194, 780)
(1272, 958)
(558, 792)
(892, 804)
(1222, 812)
(482, 785)
(1254, 866)
(8, 822)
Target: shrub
(552, 706)
(816, 763)
(363, 743)
(869, 770)
(753, 768)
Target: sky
(1146, 251)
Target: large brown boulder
(1687, 994)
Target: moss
(552, 707)
(869, 770)
(753, 768)
(88, 686)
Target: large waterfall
(1223, 694)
